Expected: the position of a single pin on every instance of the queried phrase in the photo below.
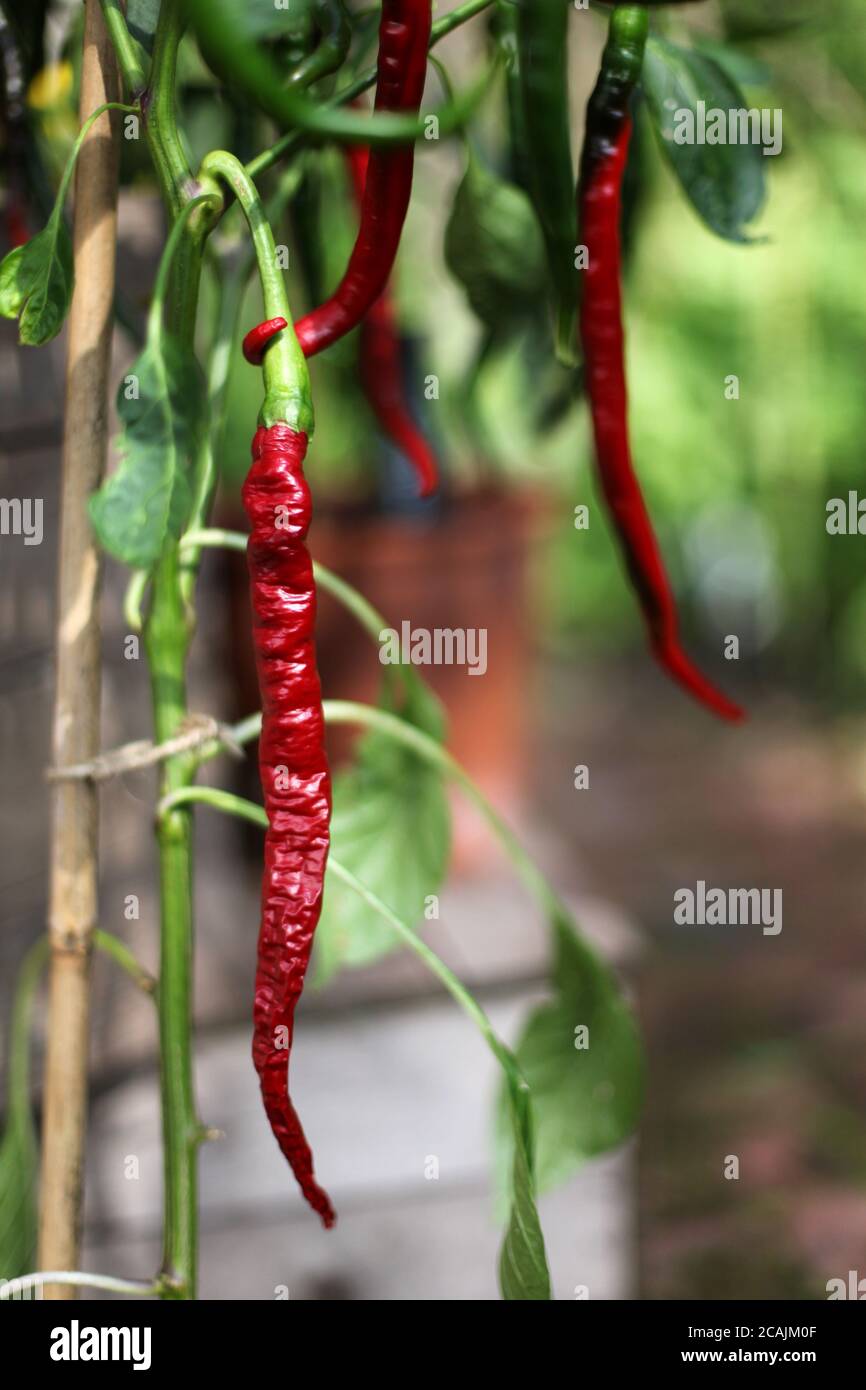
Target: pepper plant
(537, 254)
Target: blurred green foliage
(737, 488)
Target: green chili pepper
(335, 35)
(503, 30)
(542, 55)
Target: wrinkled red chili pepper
(382, 367)
(257, 339)
(404, 34)
(294, 772)
(604, 158)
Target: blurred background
(755, 1044)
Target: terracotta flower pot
(463, 569)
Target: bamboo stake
(74, 861)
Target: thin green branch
(14, 1288)
(350, 712)
(370, 619)
(214, 796)
(437, 966)
(120, 953)
(250, 811)
(449, 22)
(433, 753)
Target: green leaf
(263, 19)
(36, 282)
(523, 1272)
(725, 183)
(494, 247)
(586, 1088)
(18, 1221)
(391, 827)
(19, 1151)
(141, 21)
(148, 498)
(742, 68)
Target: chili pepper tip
(677, 664)
(258, 338)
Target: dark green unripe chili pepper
(335, 35)
(542, 56)
(503, 31)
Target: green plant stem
(221, 800)
(449, 22)
(167, 636)
(129, 55)
(159, 116)
(286, 375)
(437, 967)
(332, 48)
(167, 641)
(13, 1288)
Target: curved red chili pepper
(294, 772)
(601, 330)
(382, 379)
(404, 34)
(382, 367)
(258, 338)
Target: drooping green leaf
(523, 1272)
(724, 182)
(766, 19)
(19, 1151)
(36, 282)
(161, 403)
(18, 1164)
(263, 19)
(744, 69)
(494, 247)
(391, 827)
(581, 1055)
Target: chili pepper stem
(286, 375)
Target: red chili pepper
(382, 378)
(404, 34)
(381, 367)
(605, 154)
(294, 771)
(257, 339)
